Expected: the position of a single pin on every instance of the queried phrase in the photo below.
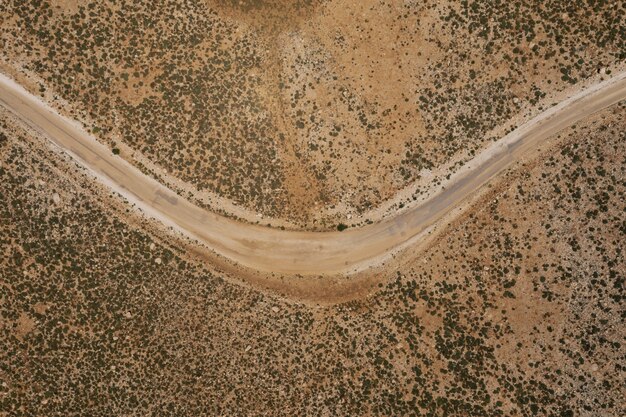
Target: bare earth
(306, 253)
(514, 310)
(275, 111)
(312, 208)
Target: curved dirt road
(305, 253)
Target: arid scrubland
(313, 114)
(309, 112)
(517, 309)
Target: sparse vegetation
(503, 315)
(278, 106)
(308, 110)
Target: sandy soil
(307, 253)
(273, 112)
(514, 310)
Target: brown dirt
(277, 108)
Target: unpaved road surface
(306, 253)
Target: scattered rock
(275, 309)
(152, 246)
(158, 261)
(56, 198)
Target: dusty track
(306, 253)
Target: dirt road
(305, 253)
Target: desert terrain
(312, 207)
(305, 114)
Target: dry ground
(517, 309)
(310, 112)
